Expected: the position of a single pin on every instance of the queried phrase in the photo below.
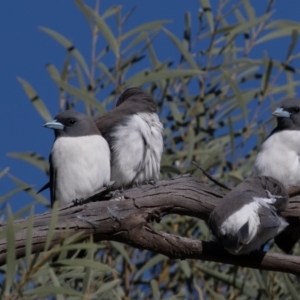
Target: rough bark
(130, 221)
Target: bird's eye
(72, 121)
(297, 109)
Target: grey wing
(46, 186)
(268, 217)
(52, 181)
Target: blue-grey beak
(54, 125)
(281, 113)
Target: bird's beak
(54, 125)
(281, 113)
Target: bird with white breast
(134, 134)
(79, 160)
(247, 217)
(279, 155)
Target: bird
(247, 217)
(134, 134)
(279, 155)
(79, 159)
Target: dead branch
(129, 221)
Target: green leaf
(105, 71)
(290, 287)
(249, 10)
(107, 286)
(52, 225)
(56, 283)
(155, 289)
(102, 26)
(10, 253)
(121, 248)
(154, 25)
(29, 236)
(35, 100)
(185, 268)
(111, 11)
(205, 4)
(29, 190)
(52, 70)
(148, 76)
(244, 287)
(85, 263)
(11, 193)
(276, 34)
(266, 76)
(52, 291)
(293, 43)
(238, 94)
(156, 259)
(32, 158)
(68, 46)
(80, 94)
(4, 172)
(186, 54)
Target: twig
(211, 178)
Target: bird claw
(152, 182)
(78, 201)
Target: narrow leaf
(148, 76)
(238, 94)
(52, 225)
(80, 94)
(32, 158)
(205, 4)
(29, 236)
(144, 27)
(29, 190)
(4, 172)
(68, 46)
(35, 100)
(11, 253)
(155, 289)
(186, 54)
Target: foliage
(215, 100)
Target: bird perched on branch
(279, 155)
(247, 218)
(134, 134)
(79, 160)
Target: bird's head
(288, 114)
(71, 123)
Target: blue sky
(25, 50)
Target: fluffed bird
(279, 156)
(246, 218)
(79, 159)
(134, 134)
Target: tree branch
(129, 221)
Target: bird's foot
(78, 201)
(151, 181)
(117, 194)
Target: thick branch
(129, 221)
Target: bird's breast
(82, 165)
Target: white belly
(133, 162)
(82, 166)
(279, 158)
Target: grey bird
(247, 217)
(134, 134)
(279, 155)
(79, 159)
